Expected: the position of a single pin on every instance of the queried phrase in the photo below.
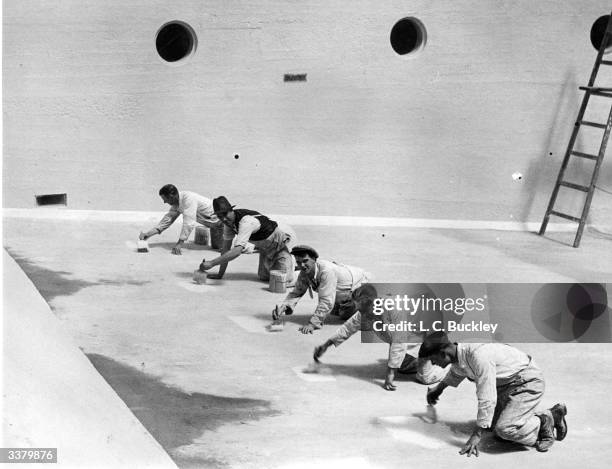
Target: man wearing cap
(334, 284)
(242, 227)
(509, 386)
(194, 208)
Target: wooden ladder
(589, 90)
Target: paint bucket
(199, 277)
(278, 281)
(216, 237)
(201, 235)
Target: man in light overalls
(509, 387)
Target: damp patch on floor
(305, 372)
(413, 430)
(193, 287)
(251, 324)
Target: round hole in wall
(598, 30)
(175, 41)
(408, 36)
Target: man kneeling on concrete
(509, 386)
(333, 282)
(402, 356)
(249, 226)
(194, 208)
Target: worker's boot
(559, 411)
(546, 436)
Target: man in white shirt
(244, 229)
(194, 208)
(509, 386)
(333, 282)
(402, 356)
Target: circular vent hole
(408, 36)
(175, 41)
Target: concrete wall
(91, 110)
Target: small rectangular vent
(51, 199)
(295, 77)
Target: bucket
(216, 237)
(201, 235)
(278, 281)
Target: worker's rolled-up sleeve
(327, 297)
(346, 330)
(167, 219)
(486, 391)
(245, 228)
(292, 298)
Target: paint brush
(277, 324)
(431, 415)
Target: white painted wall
(91, 110)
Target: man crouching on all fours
(509, 386)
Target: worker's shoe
(546, 436)
(559, 411)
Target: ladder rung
(606, 62)
(604, 92)
(594, 88)
(571, 185)
(585, 155)
(592, 124)
(563, 215)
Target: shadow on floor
(175, 418)
(366, 372)
(557, 256)
(489, 443)
(54, 283)
(243, 276)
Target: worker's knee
(506, 430)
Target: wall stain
(175, 418)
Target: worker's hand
(471, 446)
(176, 250)
(433, 394)
(389, 386)
(319, 351)
(307, 329)
(278, 311)
(146, 235)
(204, 266)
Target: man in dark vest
(243, 226)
